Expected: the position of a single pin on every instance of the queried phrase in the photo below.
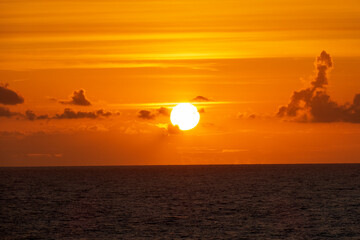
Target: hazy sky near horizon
(74, 76)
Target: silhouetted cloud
(145, 114)
(70, 114)
(200, 99)
(163, 111)
(67, 114)
(5, 112)
(323, 64)
(30, 115)
(9, 97)
(149, 115)
(78, 98)
(313, 104)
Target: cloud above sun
(200, 99)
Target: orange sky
(247, 58)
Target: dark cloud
(70, 114)
(200, 99)
(9, 97)
(5, 112)
(78, 98)
(145, 114)
(150, 115)
(313, 104)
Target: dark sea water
(173, 202)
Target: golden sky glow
(57, 34)
(236, 61)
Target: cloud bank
(313, 104)
(70, 114)
(67, 114)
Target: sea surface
(181, 202)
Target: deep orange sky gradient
(247, 58)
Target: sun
(185, 115)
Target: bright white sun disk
(185, 115)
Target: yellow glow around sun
(185, 115)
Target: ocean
(181, 202)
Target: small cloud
(145, 114)
(163, 111)
(9, 97)
(30, 115)
(150, 115)
(200, 99)
(78, 98)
